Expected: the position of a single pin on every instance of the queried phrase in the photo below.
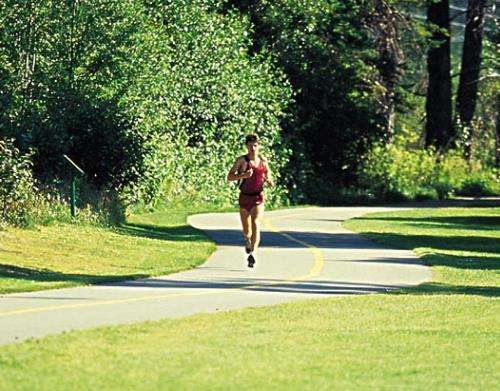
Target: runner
(253, 171)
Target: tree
(470, 69)
(439, 126)
(341, 61)
(385, 23)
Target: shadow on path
(313, 286)
(233, 237)
(261, 285)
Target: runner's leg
(256, 215)
(246, 223)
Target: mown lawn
(461, 244)
(442, 335)
(63, 255)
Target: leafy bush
(23, 203)
(150, 97)
(196, 93)
(480, 184)
(394, 173)
(16, 184)
(426, 194)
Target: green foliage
(480, 184)
(51, 205)
(151, 98)
(327, 49)
(23, 202)
(16, 184)
(197, 95)
(58, 58)
(394, 173)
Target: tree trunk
(471, 65)
(386, 21)
(439, 126)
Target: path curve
(305, 253)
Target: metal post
(74, 172)
(73, 196)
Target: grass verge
(429, 337)
(461, 244)
(63, 255)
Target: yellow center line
(318, 255)
(315, 271)
(104, 302)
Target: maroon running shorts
(249, 201)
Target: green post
(75, 170)
(73, 196)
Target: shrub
(16, 184)
(479, 184)
(426, 194)
(150, 97)
(394, 173)
(195, 94)
(24, 203)
(443, 189)
(51, 204)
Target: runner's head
(252, 142)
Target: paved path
(305, 253)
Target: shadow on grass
(46, 275)
(435, 288)
(472, 243)
(176, 233)
(446, 222)
(479, 244)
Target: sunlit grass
(462, 244)
(62, 255)
(434, 337)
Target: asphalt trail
(305, 253)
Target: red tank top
(255, 184)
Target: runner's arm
(269, 175)
(234, 173)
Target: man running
(253, 171)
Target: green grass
(62, 255)
(461, 244)
(443, 335)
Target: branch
(456, 15)
(491, 76)
(458, 73)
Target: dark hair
(251, 138)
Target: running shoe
(248, 246)
(251, 260)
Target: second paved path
(304, 253)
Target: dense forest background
(356, 100)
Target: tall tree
(471, 64)
(439, 126)
(385, 23)
(340, 58)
